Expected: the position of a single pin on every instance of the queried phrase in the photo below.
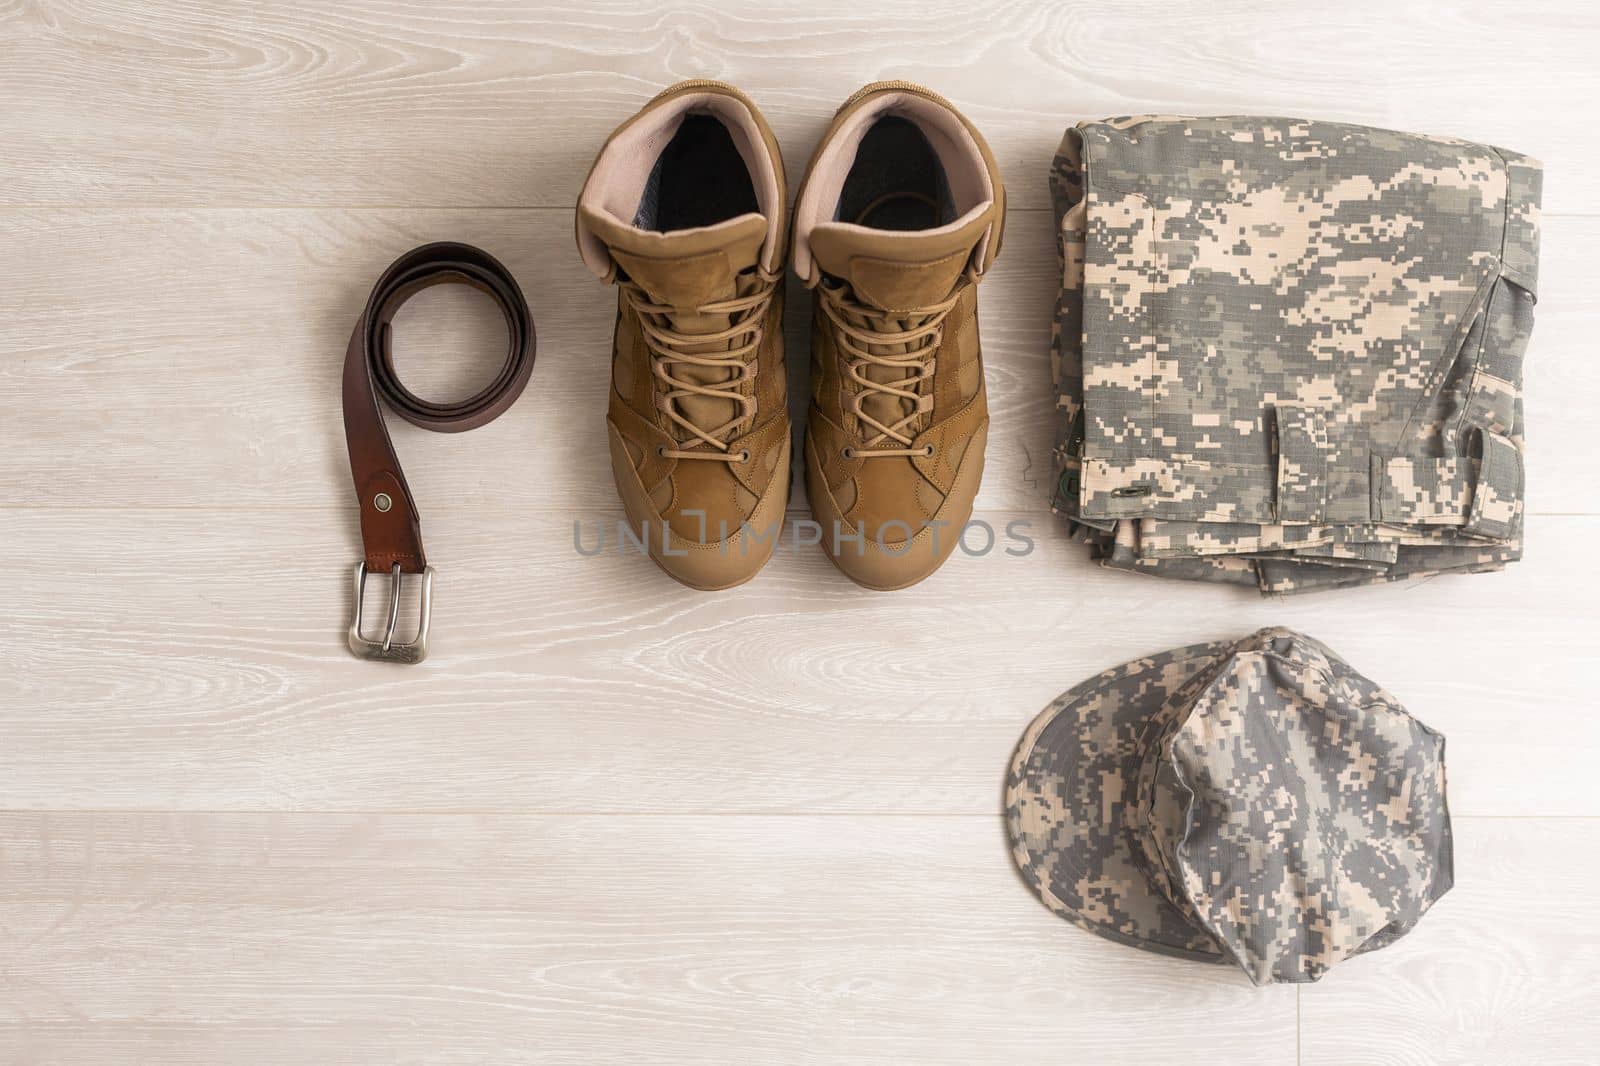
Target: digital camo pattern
(1258, 802)
(1290, 333)
(1292, 748)
(1070, 802)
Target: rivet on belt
(391, 533)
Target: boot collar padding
(965, 166)
(616, 184)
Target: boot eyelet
(848, 452)
(928, 450)
(744, 455)
(661, 451)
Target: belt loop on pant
(1496, 509)
(1482, 494)
(1302, 487)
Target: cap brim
(1072, 801)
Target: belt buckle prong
(386, 650)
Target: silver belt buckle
(386, 650)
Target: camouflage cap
(1256, 801)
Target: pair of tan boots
(898, 217)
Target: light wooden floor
(611, 821)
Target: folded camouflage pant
(1289, 353)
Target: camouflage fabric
(1290, 352)
(1256, 802)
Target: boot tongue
(898, 270)
(684, 270)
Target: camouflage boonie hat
(1289, 353)
(1256, 802)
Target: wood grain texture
(611, 821)
(1501, 971)
(409, 939)
(502, 103)
(203, 349)
(201, 665)
(222, 334)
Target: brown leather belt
(391, 532)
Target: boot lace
(905, 341)
(670, 347)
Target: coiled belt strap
(391, 531)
